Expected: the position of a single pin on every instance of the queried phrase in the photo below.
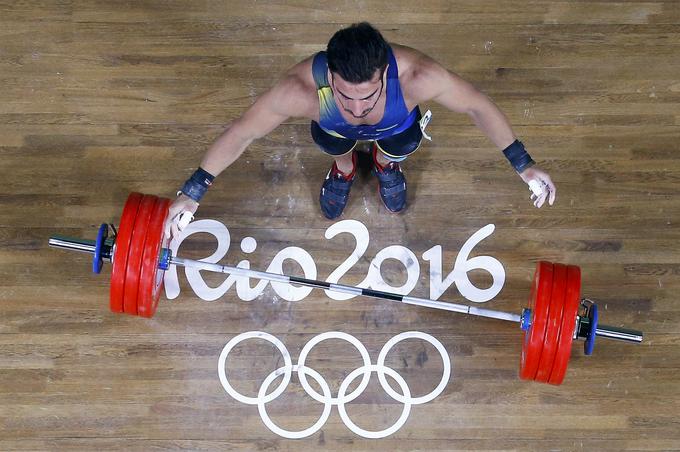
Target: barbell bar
(556, 315)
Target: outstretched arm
(269, 111)
(456, 94)
(435, 82)
(285, 99)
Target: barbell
(555, 317)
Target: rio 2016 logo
(374, 280)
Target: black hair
(356, 52)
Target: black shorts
(397, 147)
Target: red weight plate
(134, 266)
(539, 302)
(552, 328)
(571, 303)
(120, 251)
(151, 279)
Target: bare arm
(434, 82)
(448, 89)
(272, 108)
(285, 99)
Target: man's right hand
(182, 204)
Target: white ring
(368, 433)
(418, 335)
(334, 335)
(288, 433)
(287, 368)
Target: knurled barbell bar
(556, 315)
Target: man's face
(358, 99)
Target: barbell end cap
(525, 322)
(589, 345)
(98, 256)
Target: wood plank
(102, 98)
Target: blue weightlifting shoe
(335, 191)
(392, 184)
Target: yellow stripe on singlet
(326, 103)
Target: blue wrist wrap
(196, 186)
(518, 157)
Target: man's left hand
(540, 184)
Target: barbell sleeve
(71, 244)
(619, 334)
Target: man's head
(355, 53)
(357, 60)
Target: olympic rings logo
(326, 398)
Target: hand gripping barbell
(556, 315)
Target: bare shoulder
(419, 74)
(407, 58)
(295, 92)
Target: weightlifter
(361, 89)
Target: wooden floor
(101, 98)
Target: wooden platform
(101, 98)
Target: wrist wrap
(518, 157)
(196, 186)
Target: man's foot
(335, 190)
(392, 184)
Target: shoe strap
(332, 196)
(388, 176)
(391, 191)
